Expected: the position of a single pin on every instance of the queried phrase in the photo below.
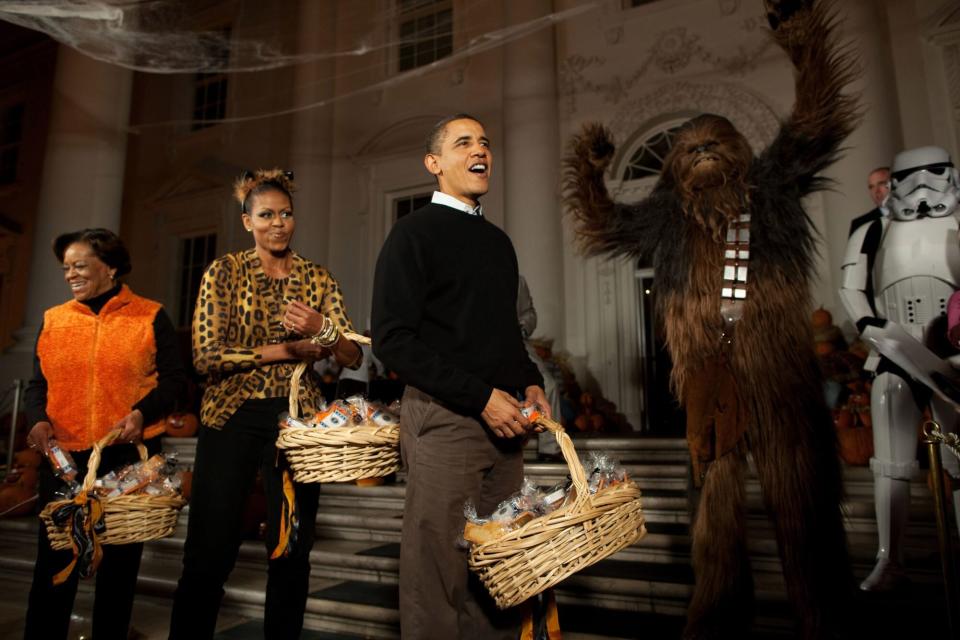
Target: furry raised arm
(823, 115)
(602, 225)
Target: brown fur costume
(761, 389)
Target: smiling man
(444, 318)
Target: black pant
(224, 472)
(49, 606)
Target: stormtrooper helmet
(923, 183)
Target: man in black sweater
(444, 318)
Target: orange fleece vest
(97, 366)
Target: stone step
(624, 449)
(658, 505)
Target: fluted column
(530, 162)
(312, 130)
(873, 144)
(82, 180)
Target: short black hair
(436, 135)
(106, 245)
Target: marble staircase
(640, 592)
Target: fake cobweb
(163, 37)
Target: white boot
(892, 501)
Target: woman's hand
(131, 426)
(305, 350)
(302, 319)
(40, 436)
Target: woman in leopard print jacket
(258, 313)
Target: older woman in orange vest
(106, 359)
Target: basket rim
(546, 521)
(389, 435)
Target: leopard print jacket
(239, 308)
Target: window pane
(426, 35)
(648, 159)
(195, 254)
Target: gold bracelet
(328, 334)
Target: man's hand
(40, 436)
(502, 415)
(131, 426)
(535, 395)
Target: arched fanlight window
(648, 158)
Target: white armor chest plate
(916, 270)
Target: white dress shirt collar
(447, 200)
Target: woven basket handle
(302, 366)
(570, 456)
(356, 337)
(94, 463)
(294, 407)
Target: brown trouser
(450, 459)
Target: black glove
(870, 321)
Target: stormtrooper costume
(913, 257)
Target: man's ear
(432, 164)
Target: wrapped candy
(355, 410)
(532, 502)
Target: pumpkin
(821, 318)
(17, 499)
(18, 492)
(581, 422)
(596, 422)
(182, 425)
(854, 435)
(27, 458)
(823, 348)
(186, 484)
(586, 400)
(842, 419)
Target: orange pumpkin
(182, 425)
(27, 458)
(842, 419)
(186, 484)
(821, 319)
(19, 489)
(823, 348)
(596, 422)
(854, 434)
(581, 422)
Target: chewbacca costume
(726, 230)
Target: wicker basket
(550, 548)
(342, 454)
(132, 518)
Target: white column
(530, 163)
(873, 144)
(82, 180)
(312, 131)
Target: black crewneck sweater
(445, 308)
